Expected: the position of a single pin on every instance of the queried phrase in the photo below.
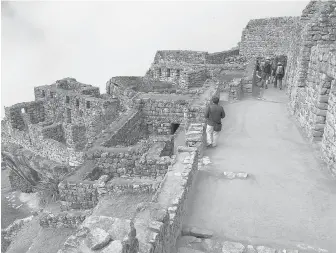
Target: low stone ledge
(65, 219)
(159, 223)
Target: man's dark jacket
(214, 114)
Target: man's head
(215, 100)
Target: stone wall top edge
(272, 19)
(182, 51)
(23, 104)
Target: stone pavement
(287, 200)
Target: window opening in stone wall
(67, 99)
(77, 102)
(168, 72)
(174, 127)
(178, 73)
(160, 72)
(68, 115)
(51, 94)
(43, 93)
(88, 104)
(23, 110)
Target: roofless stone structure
(131, 153)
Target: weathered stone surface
(188, 250)
(98, 239)
(212, 245)
(263, 249)
(289, 251)
(113, 247)
(233, 247)
(250, 249)
(197, 232)
(232, 175)
(187, 240)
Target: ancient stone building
(144, 135)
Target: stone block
(197, 232)
(98, 239)
(233, 247)
(263, 249)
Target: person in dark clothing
(257, 65)
(266, 72)
(280, 73)
(214, 115)
(273, 75)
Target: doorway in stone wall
(174, 127)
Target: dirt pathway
(288, 200)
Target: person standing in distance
(280, 72)
(214, 115)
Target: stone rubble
(232, 175)
(233, 247)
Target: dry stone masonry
(120, 148)
(308, 42)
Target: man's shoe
(209, 146)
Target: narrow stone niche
(174, 127)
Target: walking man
(214, 115)
(273, 77)
(280, 73)
(267, 68)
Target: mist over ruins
(128, 169)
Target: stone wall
(329, 136)
(86, 194)
(313, 98)
(33, 140)
(34, 110)
(267, 37)
(78, 195)
(180, 56)
(195, 78)
(195, 137)
(311, 73)
(222, 57)
(71, 102)
(63, 219)
(183, 76)
(147, 158)
(158, 224)
(54, 131)
(128, 131)
(317, 26)
(162, 112)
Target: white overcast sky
(93, 41)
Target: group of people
(267, 72)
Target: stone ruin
(131, 154)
